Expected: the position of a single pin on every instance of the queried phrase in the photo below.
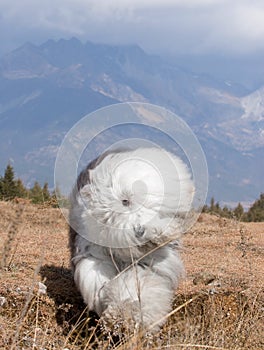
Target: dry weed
(11, 234)
(223, 310)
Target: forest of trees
(254, 213)
(11, 188)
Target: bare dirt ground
(219, 304)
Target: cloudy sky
(162, 26)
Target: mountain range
(46, 89)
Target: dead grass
(219, 305)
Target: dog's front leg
(140, 296)
(91, 275)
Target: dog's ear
(85, 191)
(83, 179)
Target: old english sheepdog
(128, 211)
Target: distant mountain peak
(45, 89)
(253, 105)
(26, 62)
(61, 42)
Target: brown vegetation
(219, 304)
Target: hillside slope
(220, 300)
(46, 89)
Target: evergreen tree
(59, 200)
(217, 208)
(45, 192)
(226, 212)
(205, 209)
(8, 184)
(36, 194)
(21, 190)
(212, 205)
(239, 211)
(256, 211)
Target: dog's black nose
(139, 230)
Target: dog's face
(135, 196)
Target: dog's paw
(124, 317)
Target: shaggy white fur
(128, 210)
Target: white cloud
(169, 25)
(250, 20)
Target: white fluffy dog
(128, 210)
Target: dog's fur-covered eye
(125, 202)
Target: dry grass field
(219, 304)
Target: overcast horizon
(224, 38)
(168, 26)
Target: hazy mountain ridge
(45, 89)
